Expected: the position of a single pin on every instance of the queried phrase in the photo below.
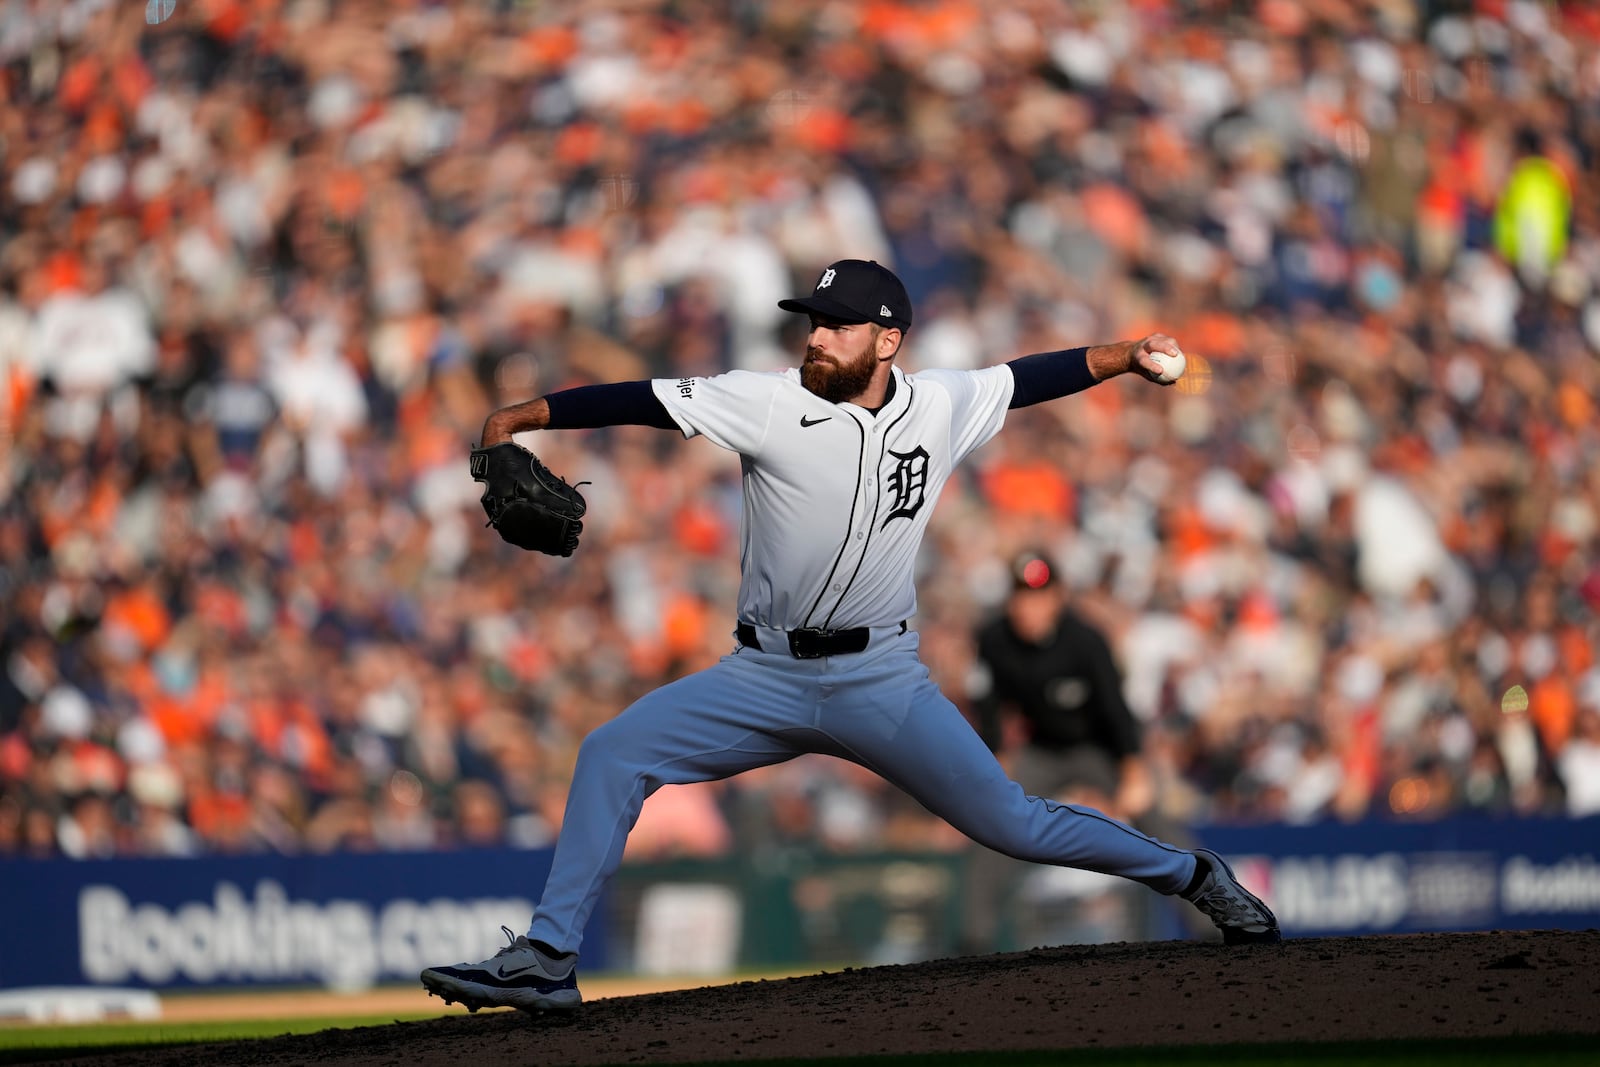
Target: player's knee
(1006, 837)
(605, 745)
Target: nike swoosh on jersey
(812, 422)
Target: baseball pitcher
(843, 459)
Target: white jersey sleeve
(732, 410)
(978, 403)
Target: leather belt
(812, 643)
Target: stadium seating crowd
(267, 264)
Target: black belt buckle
(806, 643)
(812, 643)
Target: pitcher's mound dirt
(1168, 993)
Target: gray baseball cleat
(1238, 913)
(521, 975)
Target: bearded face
(840, 360)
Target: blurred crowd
(266, 265)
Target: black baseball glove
(528, 505)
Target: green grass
(45, 1043)
(34, 1044)
(1548, 1051)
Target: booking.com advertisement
(340, 921)
(354, 921)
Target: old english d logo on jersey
(909, 484)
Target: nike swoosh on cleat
(812, 422)
(503, 973)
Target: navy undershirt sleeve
(1049, 376)
(587, 407)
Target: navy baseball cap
(857, 290)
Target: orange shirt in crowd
(1030, 486)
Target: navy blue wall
(351, 921)
(1460, 874)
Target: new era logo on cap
(850, 289)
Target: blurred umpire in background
(1045, 669)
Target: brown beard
(838, 382)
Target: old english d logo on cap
(856, 291)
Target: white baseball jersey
(836, 499)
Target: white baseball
(1172, 367)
